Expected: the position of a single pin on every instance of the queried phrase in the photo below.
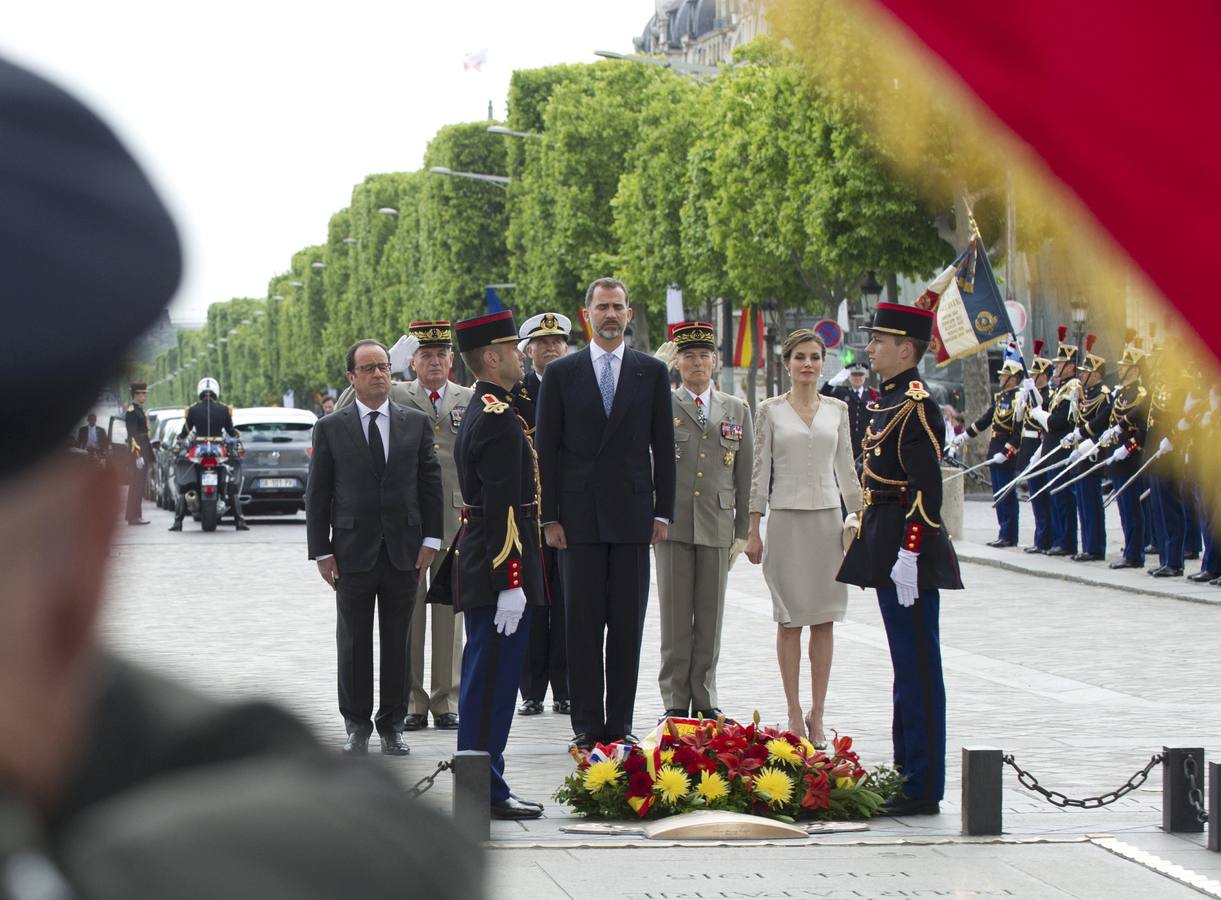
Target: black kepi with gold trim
(903, 321)
(693, 336)
(431, 334)
(483, 331)
(137, 386)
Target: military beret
(89, 256)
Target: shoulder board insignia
(1105, 389)
(492, 404)
(230, 408)
(916, 391)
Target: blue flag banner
(493, 300)
(970, 308)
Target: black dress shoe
(1126, 564)
(1153, 568)
(1167, 572)
(1088, 557)
(1033, 550)
(562, 706)
(1059, 551)
(446, 721)
(628, 738)
(1001, 542)
(392, 745)
(910, 808)
(1202, 576)
(512, 808)
(242, 526)
(524, 802)
(674, 713)
(582, 741)
(415, 721)
(177, 526)
(530, 708)
(1193, 554)
(357, 742)
(710, 713)
(1216, 582)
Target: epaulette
(493, 404)
(186, 412)
(1106, 389)
(230, 408)
(131, 407)
(916, 391)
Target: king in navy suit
(605, 438)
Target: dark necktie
(376, 448)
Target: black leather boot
(180, 510)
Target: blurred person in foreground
(115, 783)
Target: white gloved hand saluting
(667, 353)
(839, 378)
(510, 605)
(905, 575)
(402, 351)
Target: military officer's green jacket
(445, 424)
(712, 505)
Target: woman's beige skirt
(801, 557)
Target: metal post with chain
(1056, 798)
(1195, 791)
(425, 784)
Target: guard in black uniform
(1127, 429)
(1093, 416)
(1002, 417)
(209, 418)
(901, 549)
(493, 573)
(1056, 419)
(141, 452)
(544, 337)
(1038, 396)
(850, 387)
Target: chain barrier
(1195, 792)
(1055, 798)
(424, 785)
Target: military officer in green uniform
(116, 784)
(432, 357)
(136, 420)
(714, 451)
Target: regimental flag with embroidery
(749, 349)
(970, 310)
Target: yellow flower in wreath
(600, 774)
(712, 786)
(672, 784)
(774, 786)
(845, 783)
(667, 756)
(781, 751)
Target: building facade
(701, 32)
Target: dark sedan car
(274, 470)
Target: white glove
(1214, 397)
(1165, 446)
(1072, 438)
(1121, 453)
(735, 550)
(1184, 425)
(1040, 415)
(998, 458)
(510, 605)
(402, 351)
(1207, 418)
(1034, 460)
(139, 462)
(852, 525)
(1027, 385)
(667, 353)
(905, 575)
(839, 378)
(1110, 435)
(959, 439)
(1084, 449)
(1190, 403)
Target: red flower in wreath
(818, 791)
(694, 761)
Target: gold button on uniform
(697, 493)
(699, 474)
(701, 456)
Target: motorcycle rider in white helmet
(209, 419)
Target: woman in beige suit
(803, 465)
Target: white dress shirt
(705, 398)
(382, 424)
(595, 355)
(440, 395)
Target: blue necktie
(606, 384)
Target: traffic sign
(830, 332)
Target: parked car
(165, 491)
(278, 444)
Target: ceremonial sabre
(1148, 463)
(1145, 495)
(1090, 471)
(1038, 460)
(1055, 465)
(1068, 468)
(962, 472)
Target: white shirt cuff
(323, 556)
(661, 520)
(432, 543)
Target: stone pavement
(1082, 682)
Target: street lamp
(871, 293)
(500, 129)
(388, 211)
(682, 68)
(501, 181)
(1079, 308)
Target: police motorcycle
(207, 462)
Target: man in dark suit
(373, 520)
(544, 339)
(92, 438)
(605, 500)
(141, 451)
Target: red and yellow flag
(583, 317)
(749, 349)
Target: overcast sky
(256, 119)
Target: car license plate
(208, 479)
(276, 483)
